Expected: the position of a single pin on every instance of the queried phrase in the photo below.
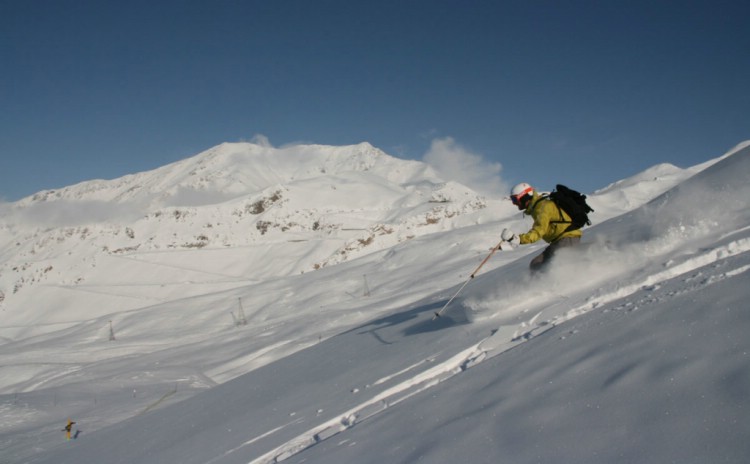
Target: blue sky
(577, 92)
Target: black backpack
(574, 204)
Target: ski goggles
(516, 199)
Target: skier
(551, 224)
(67, 429)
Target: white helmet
(521, 194)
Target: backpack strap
(560, 212)
(561, 221)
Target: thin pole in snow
(367, 289)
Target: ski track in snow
(141, 258)
(390, 377)
(501, 340)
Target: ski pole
(438, 313)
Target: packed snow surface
(260, 305)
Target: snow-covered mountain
(232, 215)
(300, 328)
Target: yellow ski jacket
(550, 221)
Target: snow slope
(632, 350)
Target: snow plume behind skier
(613, 253)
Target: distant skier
(68, 428)
(551, 224)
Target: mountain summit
(230, 170)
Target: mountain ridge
(231, 169)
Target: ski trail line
(369, 408)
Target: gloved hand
(510, 237)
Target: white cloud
(64, 213)
(454, 162)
